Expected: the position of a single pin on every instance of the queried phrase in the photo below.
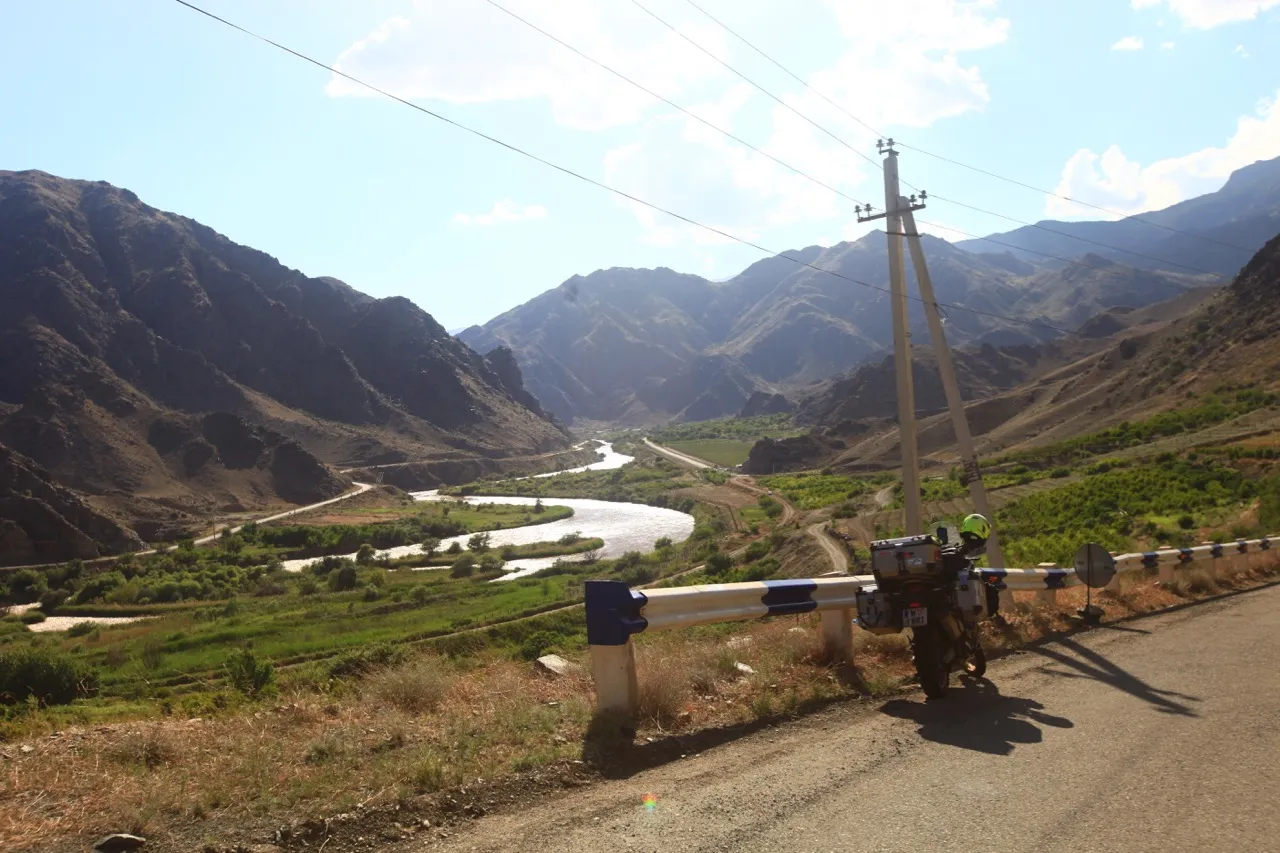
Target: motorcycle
(935, 589)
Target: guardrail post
(613, 615)
(837, 635)
(1047, 596)
(1168, 571)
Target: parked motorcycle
(933, 588)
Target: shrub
(308, 586)
(1060, 473)
(420, 595)
(53, 599)
(82, 629)
(344, 578)
(463, 567)
(662, 542)
(365, 660)
(371, 593)
(454, 548)
(415, 687)
(718, 564)
(479, 542)
(364, 556)
(756, 550)
(1186, 521)
(571, 538)
(537, 644)
(27, 585)
(32, 617)
(429, 546)
(49, 677)
(248, 675)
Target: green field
(727, 452)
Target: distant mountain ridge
(638, 346)
(165, 372)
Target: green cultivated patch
(740, 429)
(1163, 501)
(727, 452)
(812, 490)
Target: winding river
(623, 526)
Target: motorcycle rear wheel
(927, 648)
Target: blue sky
(1132, 104)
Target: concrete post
(1168, 571)
(614, 670)
(837, 635)
(1047, 596)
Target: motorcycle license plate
(914, 617)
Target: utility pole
(900, 213)
(972, 474)
(901, 336)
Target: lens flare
(650, 802)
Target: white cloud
(900, 67)
(1128, 43)
(1168, 45)
(1114, 181)
(1207, 14)
(468, 52)
(503, 211)
(1241, 52)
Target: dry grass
(430, 724)
(416, 687)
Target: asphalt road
(1161, 734)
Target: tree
(718, 564)
(463, 567)
(537, 506)
(429, 546)
(344, 578)
(479, 542)
(364, 556)
(454, 548)
(592, 555)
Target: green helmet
(975, 526)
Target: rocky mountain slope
(166, 372)
(1124, 365)
(632, 346)
(1222, 229)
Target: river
(623, 526)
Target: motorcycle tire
(976, 666)
(927, 648)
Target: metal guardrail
(615, 613)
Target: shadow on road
(1086, 663)
(976, 716)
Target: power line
(954, 162)
(746, 144)
(777, 160)
(747, 79)
(599, 184)
(671, 103)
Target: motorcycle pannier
(911, 557)
(877, 614)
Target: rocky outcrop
(42, 522)
(763, 403)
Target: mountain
(1222, 229)
(632, 346)
(1125, 364)
(637, 346)
(165, 372)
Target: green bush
(1186, 522)
(248, 675)
(27, 585)
(344, 578)
(82, 629)
(32, 617)
(367, 659)
(463, 567)
(49, 677)
(537, 644)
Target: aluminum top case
(907, 558)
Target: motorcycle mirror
(942, 535)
